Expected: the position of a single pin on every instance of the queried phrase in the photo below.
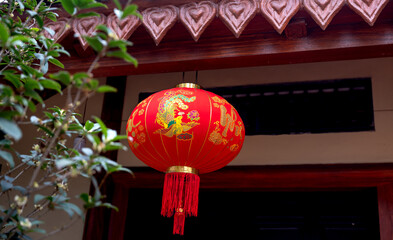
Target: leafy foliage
(25, 58)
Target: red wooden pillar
(385, 207)
(117, 221)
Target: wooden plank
(385, 206)
(274, 177)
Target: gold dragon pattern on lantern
(228, 122)
(171, 109)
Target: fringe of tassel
(178, 223)
(180, 198)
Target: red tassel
(178, 223)
(181, 192)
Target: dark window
(303, 107)
(345, 215)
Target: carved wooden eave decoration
(61, 28)
(323, 11)
(279, 13)
(158, 21)
(369, 10)
(235, 14)
(123, 28)
(86, 27)
(197, 16)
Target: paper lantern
(184, 132)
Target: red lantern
(184, 131)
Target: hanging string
(196, 77)
(184, 73)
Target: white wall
(358, 147)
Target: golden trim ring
(182, 169)
(188, 85)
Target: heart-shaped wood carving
(369, 10)
(279, 12)
(123, 28)
(323, 11)
(158, 21)
(61, 28)
(236, 14)
(197, 16)
(86, 27)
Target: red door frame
(263, 178)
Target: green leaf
(53, 53)
(4, 34)
(75, 208)
(34, 95)
(89, 125)
(68, 5)
(38, 230)
(14, 79)
(56, 62)
(106, 88)
(5, 185)
(61, 163)
(81, 75)
(8, 157)
(32, 84)
(126, 170)
(108, 205)
(93, 139)
(123, 55)
(129, 10)
(21, 189)
(122, 44)
(117, 3)
(84, 197)
(102, 125)
(50, 84)
(63, 77)
(38, 198)
(39, 20)
(88, 14)
(45, 129)
(32, 13)
(118, 138)
(22, 7)
(103, 28)
(93, 84)
(50, 31)
(87, 151)
(60, 50)
(10, 128)
(95, 5)
(114, 146)
(52, 16)
(31, 106)
(94, 43)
